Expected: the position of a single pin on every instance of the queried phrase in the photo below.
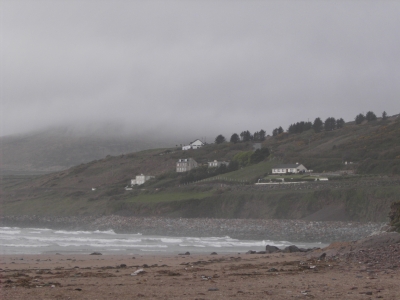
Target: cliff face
(350, 204)
(394, 215)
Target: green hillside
(371, 150)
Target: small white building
(186, 164)
(217, 164)
(193, 145)
(289, 168)
(140, 179)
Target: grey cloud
(195, 67)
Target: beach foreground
(366, 269)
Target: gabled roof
(287, 166)
(196, 141)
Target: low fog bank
(60, 147)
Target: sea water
(14, 240)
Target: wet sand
(366, 270)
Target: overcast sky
(196, 67)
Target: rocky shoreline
(259, 229)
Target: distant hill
(371, 150)
(61, 148)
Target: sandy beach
(366, 269)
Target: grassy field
(248, 174)
(44, 206)
(168, 197)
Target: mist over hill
(60, 148)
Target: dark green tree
(360, 118)
(259, 155)
(280, 130)
(318, 125)
(299, 127)
(261, 134)
(384, 115)
(234, 138)
(256, 136)
(246, 136)
(370, 116)
(220, 139)
(233, 166)
(340, 123)
(330, 124)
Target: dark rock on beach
(292, 249)
(271, 249)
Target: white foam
(110, 231)
(24, 246)
(107, 240)
(169, 240)
(10, 231)
(192, 245)
(72, 232)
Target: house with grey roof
(289, 168)
(185, 165)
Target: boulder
(271, 249)
(291, 249)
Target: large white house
(289, 168)
(186, 164)
(193, 145)
(140, 179)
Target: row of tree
(244, 136)
(318, 126)
(369, 116)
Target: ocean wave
(72, 232)
(110, 231)
(25, 246)
(147, 246)
(192, 245)
(10, 231)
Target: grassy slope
(374, 147)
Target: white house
(193, 145)
(289, 168)
(217, 164)
(185, 164)
(140, 179)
